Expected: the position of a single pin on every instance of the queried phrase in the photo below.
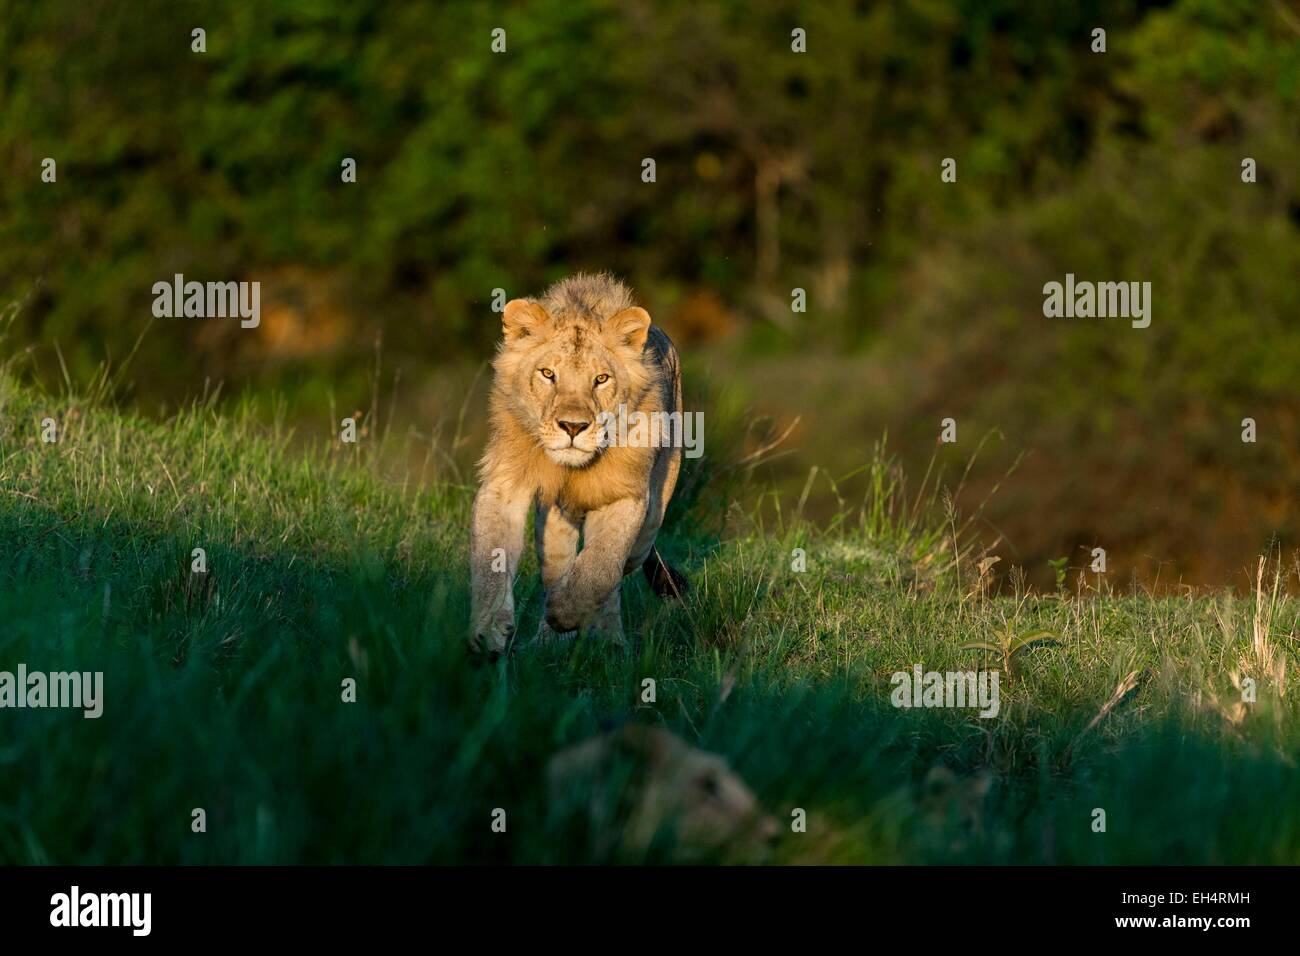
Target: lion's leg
(496, 541)
(556, 537)
(608, 622)
(609, 534)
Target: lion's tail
(665, 580)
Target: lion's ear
(522, 318)
(629, 327)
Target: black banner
(363, 904)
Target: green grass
(225, 693)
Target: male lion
(566, 361)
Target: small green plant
(1060, 566)
(1009, 644)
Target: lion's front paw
(561, 620)
(494, 636)
(547, 636)
(564, 612)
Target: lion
(639, 793)
(566, 365)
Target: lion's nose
(574, 428)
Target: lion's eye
(602, 379)
(546, 373)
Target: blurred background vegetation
(775, 170)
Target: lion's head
(639, 790)
(569, 360)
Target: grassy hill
(223, 690)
